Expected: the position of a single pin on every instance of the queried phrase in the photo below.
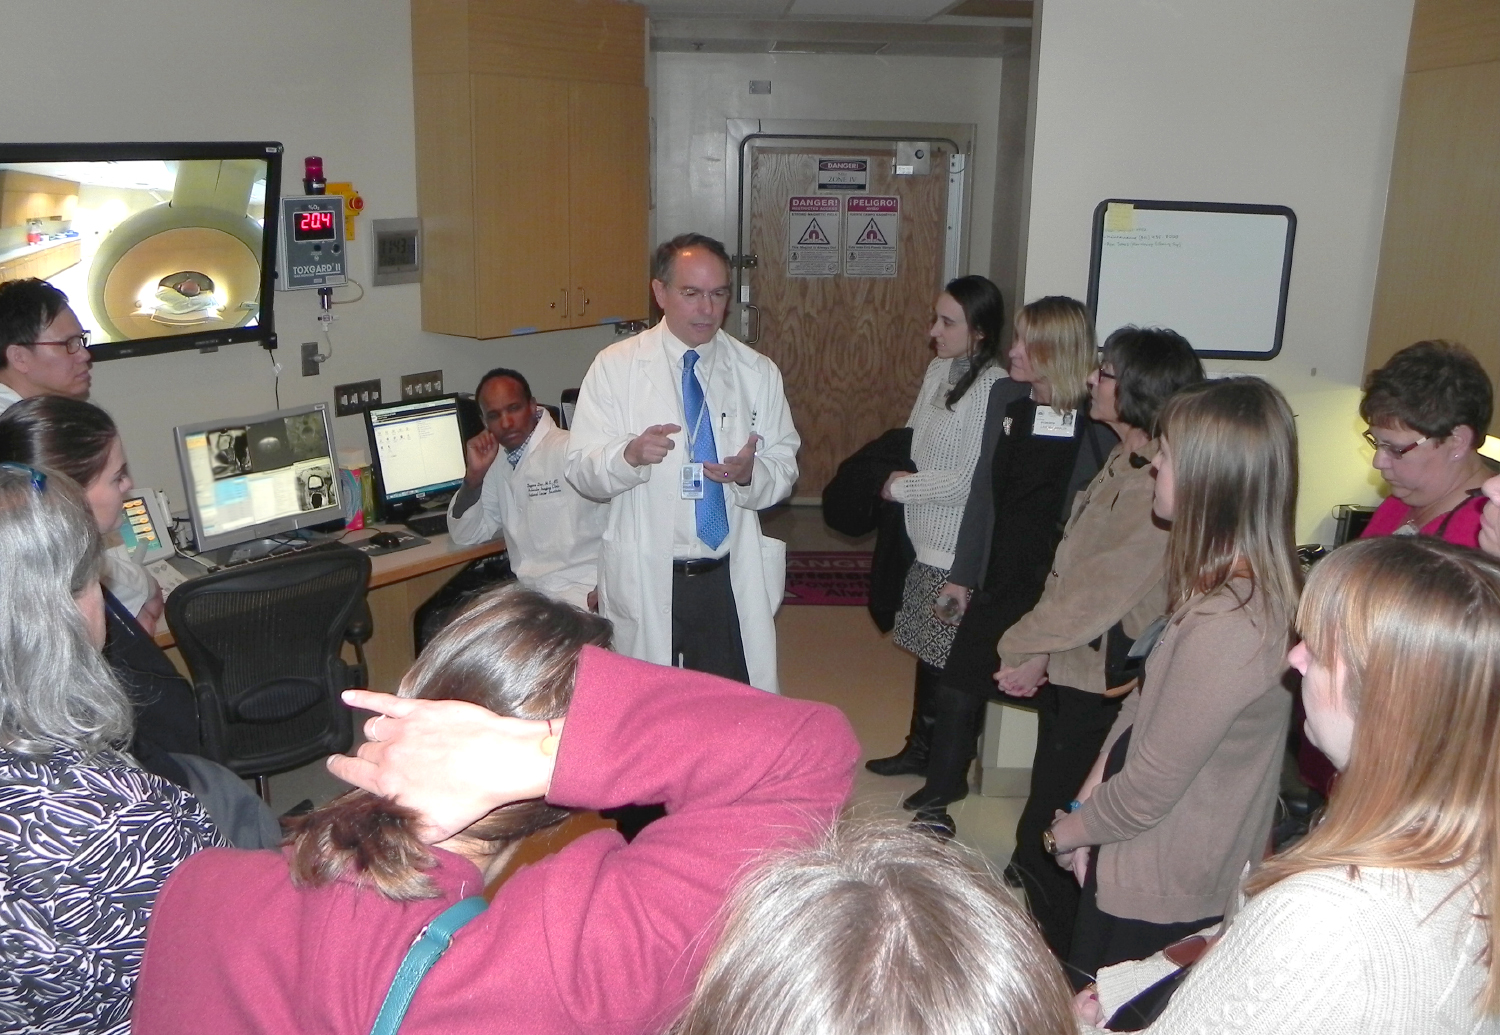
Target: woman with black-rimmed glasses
(1429, 410)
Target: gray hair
(879, 930)
(55, 688)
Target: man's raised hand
(651, 446)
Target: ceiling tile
(717, 8)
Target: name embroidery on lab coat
(550, 487)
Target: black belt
(702, 566)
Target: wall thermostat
(398, 251)
(312, 252)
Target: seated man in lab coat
(514, 484)
(687, 432)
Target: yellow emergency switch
(353, 205)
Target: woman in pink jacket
(601, 936)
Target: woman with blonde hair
(1039, 448)
(878, 930)
(1380, 919)
(1180, 799)
(512, 716)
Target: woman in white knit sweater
(947, 423)
(1379, 920)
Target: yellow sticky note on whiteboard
(1119, 216)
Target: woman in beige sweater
(1180, 799)
(1106, 584)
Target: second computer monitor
(253, 477)
(418, 453)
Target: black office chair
(569, 404)
(262, 645)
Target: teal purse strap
(424, 952)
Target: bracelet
(1073, 806)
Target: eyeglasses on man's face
(1394, 452)
(72, 345)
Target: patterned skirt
(917, 628)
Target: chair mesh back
(262, 643)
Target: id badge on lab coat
(692, 481)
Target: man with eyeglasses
(687, 432)
(44, 350)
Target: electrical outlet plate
(310, 359)
(355, 397)
(421, 386)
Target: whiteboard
(1215, 273)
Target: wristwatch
(1049, 842)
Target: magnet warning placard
(812, 236)
(872, 235)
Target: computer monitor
(253, 477)
(417, 449)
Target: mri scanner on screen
(158, 247)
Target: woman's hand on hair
(451, 761)
(1023, 680)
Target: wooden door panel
(851, 349)
(520, 151)
(608, 146)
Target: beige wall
(325, 78)
(1290, 102)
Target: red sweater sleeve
(626, 928)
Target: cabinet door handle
(565, 303)
(584, 303)
(753, 339)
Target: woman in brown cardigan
(1106, 582)
(1180, 799)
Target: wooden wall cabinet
(1440, 252)
(532, 163)
(26, 196)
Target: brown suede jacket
(1108, 569)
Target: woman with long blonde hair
(1380, 919)
(1180, 799)
(1039, 448)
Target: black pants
(1101, 939)
(706, 637)
(706, 624)
(1071, 727)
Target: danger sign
(872, 228)
(812, 237)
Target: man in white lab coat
(515, 483)
(688, 433)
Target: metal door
(852, 345)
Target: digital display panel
(313, 226)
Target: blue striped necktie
(713, 519)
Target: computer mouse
(386, 540)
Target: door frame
(742, 133)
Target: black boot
(912, 759)
(957, 720)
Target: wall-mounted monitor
(159, 247)
(249, 478)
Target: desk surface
(440, 552)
